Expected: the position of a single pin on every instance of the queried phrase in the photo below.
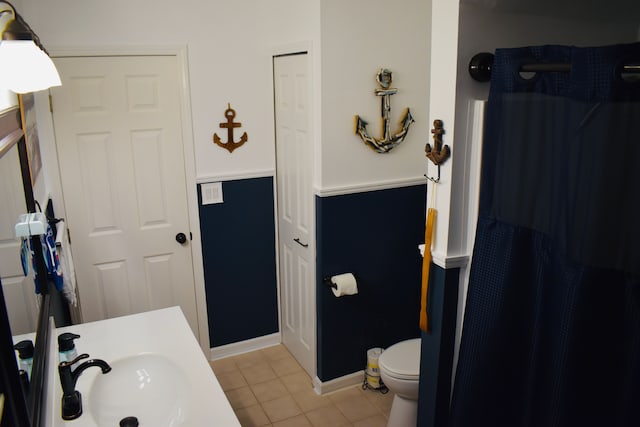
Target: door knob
(181, 238)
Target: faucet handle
(71, 362)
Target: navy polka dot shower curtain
(551, 333)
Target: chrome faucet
(71, 398)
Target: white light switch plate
(211, 193)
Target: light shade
(24, 67)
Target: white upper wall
(358, 38)
(230, 45)
(229, 51)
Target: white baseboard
(236, 348)
(324, 387)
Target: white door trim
(283, 50)
(181, 54)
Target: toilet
(400, 372)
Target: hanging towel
(66, 262)
(426, 264)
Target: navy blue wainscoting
(239, 254)
(436, 358)
(374, 235)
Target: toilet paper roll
(373, 369)
(345, 284)
(372, 361)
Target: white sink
(159, 375)
(149, 387)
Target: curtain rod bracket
(480, 66)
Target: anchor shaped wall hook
(439, 153)
(230, 145)
(388, 142)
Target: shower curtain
(551, 333)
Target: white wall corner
(463, 212)
(442, 106)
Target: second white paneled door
(118, 133)
(295, 207)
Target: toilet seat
(402, 360)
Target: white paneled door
(19, 291)
(118, 133)
(295, 207)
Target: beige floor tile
(344, 394)
(231, 380)
(281, 408)
(249, 359)
(253, 416)
(285, 366)
(297, 382)
(223, 365)
(308, 400)
(276, 352)
(258, 373)
(269, 390)
(381, 401)
(299, 421)
(356, 408)
(375, 421)
(329, 416)
(241, 397)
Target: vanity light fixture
(25, 65)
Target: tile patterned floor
(269, 388)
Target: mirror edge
(24, 412)
(15, 405)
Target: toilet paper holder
(327, 281)
(342, 284)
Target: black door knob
(181, 238)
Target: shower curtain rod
(565, 68)
(480, 67)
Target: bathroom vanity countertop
(164, 333)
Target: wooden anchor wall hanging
(388, 141)
(230, 145)
(439, 153)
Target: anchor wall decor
(387, 142)
(439, 153)
(230, 145)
